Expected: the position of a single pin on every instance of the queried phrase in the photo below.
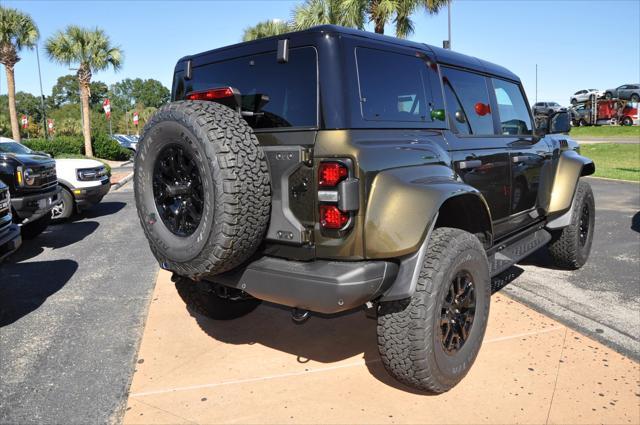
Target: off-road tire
(34, 228)
(235, 181)
(68, 206)
(409, 333)
(565, 247)
(200, 298)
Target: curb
(125, 180)
(613, 180)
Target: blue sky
(576, 44)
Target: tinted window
(14, 147)
(468, 103)
(291, 87)
(512, 108)
(392, 86)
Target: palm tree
(406, 8)
(265, 29)
(17, 30)
(347, 13)
(354, 13)
(91, 51)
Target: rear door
(527, 153)
(480, 157)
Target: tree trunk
(11, 91)
(86, 124)
(379, 26)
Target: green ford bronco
(333, 169)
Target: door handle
(469, 165)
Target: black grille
(45, 176)
(4, 209)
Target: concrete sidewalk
(264, 369)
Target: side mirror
(560, 122)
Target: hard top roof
(441, 55)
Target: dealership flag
(106, 105)
(50, 125)
(25, 121)
(135, 118)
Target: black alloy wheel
(584, 224)
(457, 313)
(178, 191)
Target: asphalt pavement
(73, 304)
(602, 299)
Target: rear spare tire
(202, 188)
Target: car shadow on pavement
(321, 339)
(635, 222)
(54, 237)
(24, 287)
(102, 209)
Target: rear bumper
(10, 240)
(32, 207)
(88, 196)
(320, 286)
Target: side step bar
(509, 252)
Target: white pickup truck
(84, 183)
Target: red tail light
(331, 173)
(332, 218)
(213, 94)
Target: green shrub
(103, 147)
(61, 145)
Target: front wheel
(571, 245)
(215, 302)
(627, 121)
(64, 210)
(430, 341)
(574, 102)
(608, 95)
(635, 98)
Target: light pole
(44, 111)
(536, 83)
(446, 44)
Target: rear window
(392, 86)
(291, 87)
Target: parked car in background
(584, 95)
(580, 115)
(83, 182)
(626, 92)
(33, 185)
(127, 141)
(10, 238)
(546, 108)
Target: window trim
(495, 105)
(426, 84)
(451, 127)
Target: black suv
(32, 181)
(333, 169)
(10, 239)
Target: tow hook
(299, 316)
